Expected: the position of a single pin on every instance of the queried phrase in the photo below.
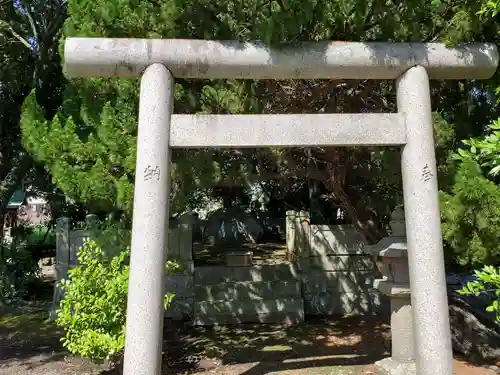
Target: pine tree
(90, 145)
(471, 220)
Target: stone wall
(67, 244)
(336, 274)
(248, 294)
(179, 249)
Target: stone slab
(248, 307)
(335, 239)
(181, 286)
(389, 366)
(221, 274)
(326, 304)
(247, 290)
(319, 281)
(180, 243)
(181, 308)
(286, 318)
(211, 59)
(287, 130)
(334, 262)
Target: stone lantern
(396, 284)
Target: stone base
(389, 366)
(239, 259)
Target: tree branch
(17, 36)
(31, 20)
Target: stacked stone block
(68, 242)
(248, 294)
(336, 273)
(180, 282)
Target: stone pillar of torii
(160, 62)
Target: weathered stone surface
(232, 227)
(248, 290)
(249, 307)
(335, 239)
(268, 293)
(254, 60)
(319, 281)
(473, 334)
(423, 225)
(286, 318)
(180, 285)
(221, 274)
(283, 131)
(328, 303)
(180, 243)
(346, 263)
(182, 305)
(402, 329)
(181, 308)
(239, 259)
(77, 238)
(297, 234)
(389, 366)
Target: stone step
(338, 263)
(248, 290)
(248, 307)
(286, 318)
(321, 282)
(223, 274)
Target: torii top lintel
(185, 58)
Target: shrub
(93, 310)
(18, 269)
(487, 281)
(40, 233)
(470, 220)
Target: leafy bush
(18, 269)
(93, 310)
(470, 220)
(484, 150)
(40, 233)
(487, 281)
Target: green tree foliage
(471, 223)
(487, 280)
(18, 270)
(470, 213)
(484, 150)
(29, 34)
(90, 146)
(478, 233)
(93, 310)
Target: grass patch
(27, 320)
(23, 323)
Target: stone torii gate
(159, 62)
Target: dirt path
(30, 345)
